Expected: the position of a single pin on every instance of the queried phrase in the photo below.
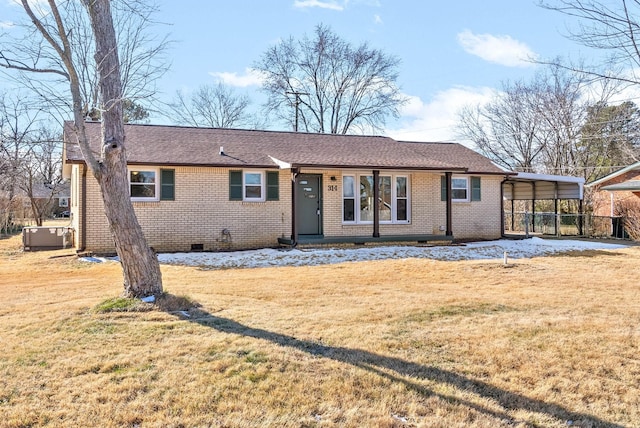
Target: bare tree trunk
(37, 216)
(140, 266)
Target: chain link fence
(586, 225)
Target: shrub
(629, 210)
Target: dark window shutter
(273, 186)
(443, 188)
(167, 184)
(475, 188)
(235, 185)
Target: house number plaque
(333, 188)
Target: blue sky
(451, 52)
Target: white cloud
(377, 19)
(436, 120)
(6, 24)
(498, 49)
(327, 4)
(250, 77)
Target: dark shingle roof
(186, 146)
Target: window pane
(349, 210)
(347, 186)
(366, 198)
(401, 187)
(143, 190)
(459, 194)
(401, 210)
(142, 184)
(143, 176)
(385, 198)
(252, 178)
(459, 183)
(253, 192)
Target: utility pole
(297, 94)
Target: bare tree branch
(541, 125)
(214, 106)
(79, 39)
(612, 27)
(329, 85)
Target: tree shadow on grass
(588, 253)
(402, 371)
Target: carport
(531, 187)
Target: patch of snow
(307, 257)
(95, 259)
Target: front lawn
(548, 342)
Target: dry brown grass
(547, 342)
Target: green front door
(309, 204)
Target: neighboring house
(53, 198)
(50, 200)
(222, 189)
(617, 195)
(620, 187)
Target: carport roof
(525, 186)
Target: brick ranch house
(222, 189)
(614, 189)
(617, 195)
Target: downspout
(513, 207)
(376, 204)
(449, 215)
(533, 207)
(612, 209)
(83, 207)
(580, 218)
(502, 206)
(294, 217)
(555, 209)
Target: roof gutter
(83, 207)
(372, 167)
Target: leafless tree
(629, 209)
(324, 84)
(52, 33)
(142, 55)
(30, 159)
(562, 100)
(506, 129)
(18, 123)
(611, 26)
(538, 126)
(41, 178)
(214, 106)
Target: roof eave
(613, 175)
(381, 167)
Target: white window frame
(406, 197)
(262, 185)
(467, 188)
(156, 183)
(394, 198)
(354, 198)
